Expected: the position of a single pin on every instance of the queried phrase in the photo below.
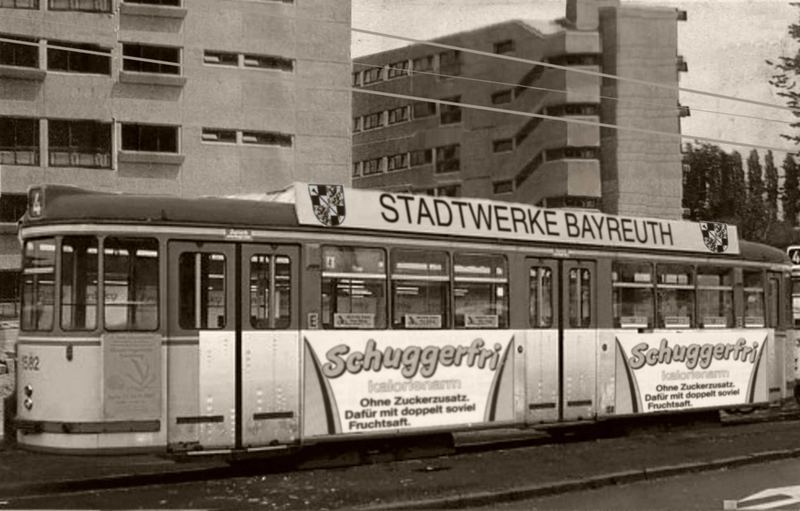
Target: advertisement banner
(663, 372)
(366, 382)
(337, 206)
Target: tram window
(79, 263)
(580, 298)
(270, 283)
(130, 284)
(420, 286)
(675, 295)
(38, 284)
(480, 291)
(796, 302)
(353, 288)
(773, 299)
(714, 297)
(202, 279)
(753, 298)
(633, 305)
(541, 297)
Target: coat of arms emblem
(715, 236)
(327, 201)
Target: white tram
(323, 313)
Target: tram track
(354, 454)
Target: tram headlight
(28, 403)
(28, 391)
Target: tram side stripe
(324, 387)
(631, 382)
(494, 390)
(751, 389)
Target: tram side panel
(379, 383)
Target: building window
(219, 135)
(528, 169)
(398, 161)
(9, 294)
(19, 141)
(399, 114)
(79, 144)
(576, 59)
(583, 153)
(450, 62)
(149, 138)
(266, 138)
(356, 168)
(373, 121)
(141, 58)
(80, 5)
(19, 4)
(372, 75)
(374, 166)
(527, 129)
(505, 96)
(12, 207)
(504, 47)
(506, 186)
(22, 54)
(421, 157)
(571, 201)
(423, 63)
(398, 69)
(221, 58)
(503, 145)
(356, 78)
(450, 114)
(92, 59)
(573, 109)
(356, 124)
(447, 158)
(422, 109)
(268, 62)
(172, 3)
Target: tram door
(233, 355)
(562, 342)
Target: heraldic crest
(327, 201)
(715, 236)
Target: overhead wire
(570, 69)
(584, 122)
(565, 91)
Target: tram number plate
(30, 362)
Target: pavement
(522, 465)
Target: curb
(484, 498)
(20, 491)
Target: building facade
(405, 144)
(181, 97)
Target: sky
(725, 43)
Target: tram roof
(295, 207)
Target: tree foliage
(715, 189)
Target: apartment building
(181, 97)
(441, 148)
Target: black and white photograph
(386, 255)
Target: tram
(321, 313)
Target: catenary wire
(565, 91)
(570, 69)
(667, 134)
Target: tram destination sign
(335, 206)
